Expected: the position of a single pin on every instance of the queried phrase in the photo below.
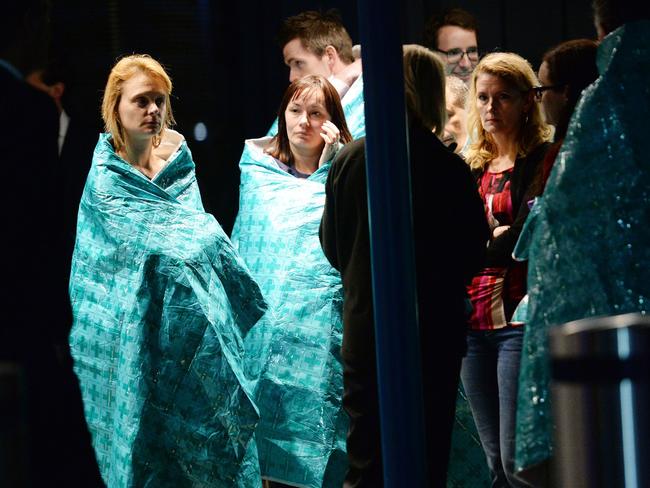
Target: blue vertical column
(391, 235)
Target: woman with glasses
(511, 141)
(566, 70)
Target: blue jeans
(490, 373)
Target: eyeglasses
(539, 90)
(455, 55)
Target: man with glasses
(453, 34)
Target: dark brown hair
(572, 64)
(451, 16)
(611, 14)
(279, 147)
(316, 31)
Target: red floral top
(495, 292)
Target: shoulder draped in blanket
(353, 110)
(302, 426)
(587, 238)
(161, 304)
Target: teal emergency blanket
(587, 238)
(467, 465)
(353, 109)
(161, 303)
(301, 434)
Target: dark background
(227, 68)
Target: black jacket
(450, 234)
(524, 186)
(44, 419)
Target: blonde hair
(424, 87)
(457, 91)
(124, 69)
(517, 72)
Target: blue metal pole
(392, 251)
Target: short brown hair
(451, 16)
(279, 147)
(316, 31)
(611, 14)
(571, 64)
(124, 69)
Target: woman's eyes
(500, 96)
(142, 102)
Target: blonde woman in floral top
(512, 139)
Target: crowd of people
(149, 348)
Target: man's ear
(331, 55)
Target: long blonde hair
(124, 69)
(518, 73)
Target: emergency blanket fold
(161, 304)
(587, 238)
(301, 434)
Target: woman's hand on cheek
(330, 134)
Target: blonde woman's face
(142, 107)
(502, 108)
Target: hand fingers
(329, 125)
(329, 139)
(331, 131)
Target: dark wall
(227, 68)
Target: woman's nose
(303, 120)
(153, 108)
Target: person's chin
(465, 76)
(490, 126)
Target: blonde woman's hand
(331, 135)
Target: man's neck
(346, 74)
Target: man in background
(454, 34)
(315, 43)
(76, 143)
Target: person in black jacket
(76, 143)
(450, 232)
(44, 440)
